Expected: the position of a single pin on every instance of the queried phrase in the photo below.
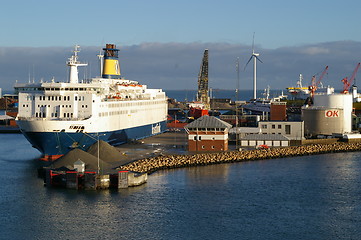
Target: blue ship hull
(57, 143)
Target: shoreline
(153, 164)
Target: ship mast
(73, 63)
(202, 95)
(101, 56)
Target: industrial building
(272, 134)
(271, 140)
(242, 132)
(278, 111)
(208, 133)
(291, 130)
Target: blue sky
(161, 42)
(277, 23)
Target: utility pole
(237, 95)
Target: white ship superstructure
(299, 92)
(302, 92)
(263, 105)
(58, 116)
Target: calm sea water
(313, 197)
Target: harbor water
(310, 197)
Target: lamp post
(237, 94)
(98, 152)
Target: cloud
(316, 50)
(176, 65)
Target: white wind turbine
(255, 58)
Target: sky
(161, 42)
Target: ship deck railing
(57, 119)
(129, 99)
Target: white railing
(52, 119)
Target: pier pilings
(92, 181)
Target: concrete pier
(136, 179)
(92, 180)
(72, 179)
(131, 179)
(123, 179)
(102, 181)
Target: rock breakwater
(150, 165)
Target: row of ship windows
(64, 106)
(57, 98)
(105, 114)
(43, 106)
(55, 114)
(115, 105)
(58, 89)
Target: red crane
(314, 84)
(348, 83)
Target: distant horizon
(216, 89)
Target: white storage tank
(337, 101)
(322, 121)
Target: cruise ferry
(59, 116)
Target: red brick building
(278, 111)
(208, 133)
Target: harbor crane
(348, 82)
(314, 83)
(202, 106)
(202, 95)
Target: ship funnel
(111, 68)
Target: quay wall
(319, 141)
(150, 165)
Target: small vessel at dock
(299, 92)
(263, 105)
(302, 92)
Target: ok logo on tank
(332, 113)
